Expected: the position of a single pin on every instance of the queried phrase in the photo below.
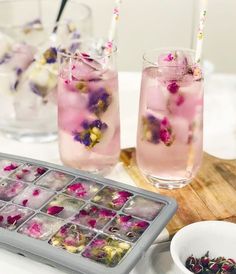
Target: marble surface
(219, 140)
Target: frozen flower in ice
(93, 216)
(10, 167)
(170, 57)
(92, 223)
(73, 238)
(141, 224)
(151, 129)
(41, 170)
(50, 55)
(99, 101)
(106, 250)
(24, 202)
(106, 213)
(124, 218)
(53, 210)
(82, 87)
(157, 130)
(13, 219)
(34, 229)
(173, 87)
(92, 133)
(98, 242)
(36, 192)
(77, 189)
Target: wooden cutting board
(211, 195)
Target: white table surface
(219, 140)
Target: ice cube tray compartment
(75, 218)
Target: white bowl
(219, 238)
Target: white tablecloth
(219, 140)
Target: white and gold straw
(201, 29)
(113, 26)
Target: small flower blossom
(173, 88)
(124, 218)
(99, 101)
(92, 133)
(156, 130)
(35, 229)
(10, 167)
(24, 202)
(36, 192)
(50, 55)
(41, 171)
(170, 57)
(13, 219)
(92, 223)
(54, 210)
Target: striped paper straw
(200, 34)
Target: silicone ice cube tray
(76, 221)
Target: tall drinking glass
(88, 107)
(169, 137)
(28, 64)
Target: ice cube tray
(76, 221)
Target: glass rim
(61, 22)
(163, 49)
(74, 56)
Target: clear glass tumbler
(88, 107)
(169, 137)
(28, 64)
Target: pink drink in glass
(88, 113)
(169, 138)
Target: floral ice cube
(86, 69)
(143, 208)
(63, 206)
(106, 250)
(127, 227)
(112, 198)
(28, 173)
(186, 104)
(9, 189)
(181, 129)
(156, 98)
(72, 238)
(55, 180)
(41, 227)
(82, 188)
(12, 216)
(174, 65)
(7, 167)
(33, 197)
(93, 216)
